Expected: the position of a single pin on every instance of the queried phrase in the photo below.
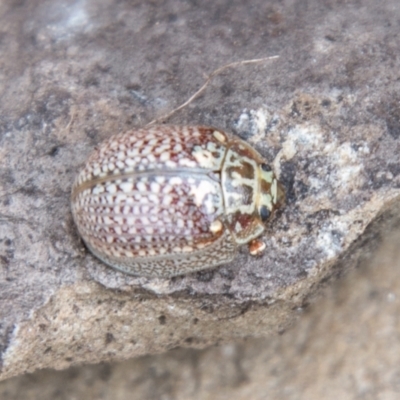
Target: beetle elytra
(169, 200)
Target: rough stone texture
(72, 73)
(346, 346)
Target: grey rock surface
(345, 346)
(326, 114)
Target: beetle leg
(256, 247)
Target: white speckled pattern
(154, 201)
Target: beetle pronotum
(169, 200)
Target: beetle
(167, 200)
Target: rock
(325, 113)
(344, 346)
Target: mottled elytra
(170, 200)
